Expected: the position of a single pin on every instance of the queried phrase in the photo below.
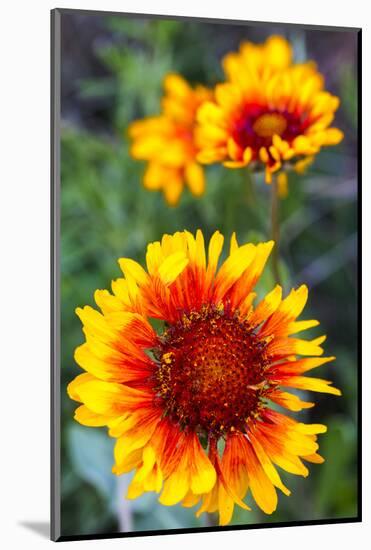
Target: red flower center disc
(211, 372)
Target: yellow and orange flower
(270, 113)
(191, 405)
(167, 143)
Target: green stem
(275, 230)
(251, 194)
(210, 520)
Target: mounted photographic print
(205, 289)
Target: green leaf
(337, 474)
(91, 453)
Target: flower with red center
(270, 113)
(167, 143)
(190, 405)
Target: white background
(24, 271)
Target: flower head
(270, 113)
(167, 143)
(191, 405)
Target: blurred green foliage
(107, 214)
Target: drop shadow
(42, 528)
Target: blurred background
(112, 72)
